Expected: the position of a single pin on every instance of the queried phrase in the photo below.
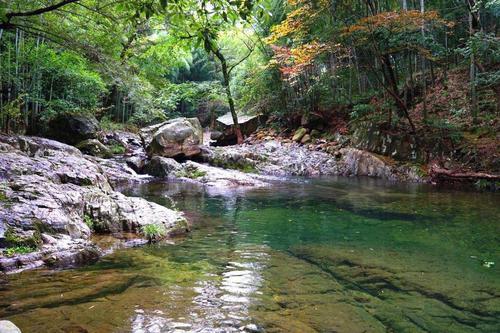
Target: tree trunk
(472, 75)
(424, 78)
(225, 74)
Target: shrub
(361, 110)
(117, 149)
(153, 232)
(89, 222)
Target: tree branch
(250, 50)
(40, 10)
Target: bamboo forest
(280, 166)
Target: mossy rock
(94, 147)
(299, 134)
(25, 238)
(191, 173)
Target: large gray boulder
(180, 137)
(73, 128)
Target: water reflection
(220, 302)
(344, 255)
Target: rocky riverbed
(53, 197)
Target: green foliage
(89, 221)
(45, 81)
(361, 110)
(153, 232)
(117, 149)
(11, 251)
(487, 185)
(14, 240)
(185, 99)
(443, 129)
(192, 173)
(3, 190)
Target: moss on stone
(192, 173)
(11, 251)
(13, 239)
(240, 166)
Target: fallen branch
(440, 173)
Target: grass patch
(11, 251)
(117, 149)
(3, 192)
(89, 222)
(153, 232)
(243, 167)
(14, 240)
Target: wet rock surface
(52, 196)
(221, 178)
(160, 166)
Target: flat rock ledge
(292, 159)
(52, 197)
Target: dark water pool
(322, 255)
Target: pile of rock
(52, 197)
(292, 159)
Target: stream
(305, 255)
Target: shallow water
(321, 255)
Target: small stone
(299, 133)
(305, 139)
(180, 325)
(251, 328)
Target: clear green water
(323, 255)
